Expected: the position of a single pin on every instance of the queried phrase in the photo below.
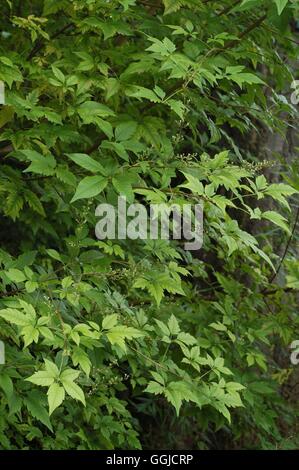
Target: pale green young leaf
(15, 317)
(173, 325)
(73, 390)
(43, 378)
(15, 275)
(109, 321)
(56, 395)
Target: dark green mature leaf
(89, 187)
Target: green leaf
(280, 4)
(155, 288)
(43, 378)
(109, 321)
(54, 254)
(33, 403)
(277, 219)
(80, 357)
(56, 395)
(69, 375)
(91, 109)
(15, 275)
(125, 130)
(123, 185)
(73, 390)
(163, 327)
(165, 47)
(246, 5)
(245, 77)
(193, 184)
(118, 334)
(85, 161)
(218, 326)
(118, 148)
(15, 317)
(136, 91)
(58, 74)
(154, 387)
(172, 6)
(52, 368)
(6, 384)
(173, 326)
(177, 106)
(186, 338)
(261, 182)
(176, 392)
(222, 409)
(90, 187)
(30, 334)
(41, 164)
(279, 192)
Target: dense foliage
(130, 344)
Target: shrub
(108, 340)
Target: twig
(40, 44)
(228, 9)
(250, 28)
(286, 248)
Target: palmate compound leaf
(118, 334)
(40, 164)
(46, 377)
(175, 393)
(58, 384)
(193, 184)
(89, 187)
(178, 391)
(157, 283)
(155, 289)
